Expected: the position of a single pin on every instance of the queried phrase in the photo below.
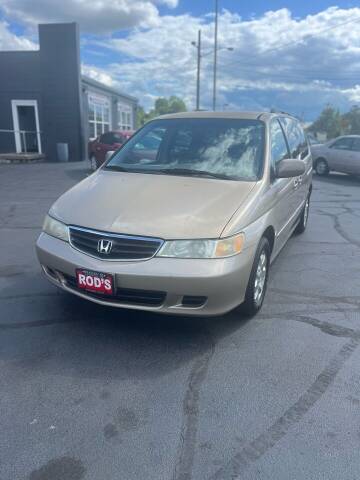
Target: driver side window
(106, 139)
(279, 148)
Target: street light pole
(198, 48)
(215, 54)
(198, 71)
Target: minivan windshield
(230, 149)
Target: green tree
(162, 106)
(140, 116)
(351, 121)
(329, 122)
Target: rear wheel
(321, 167)
(93, 164)
(301, 227)
(256, 289)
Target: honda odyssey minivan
(186, 217)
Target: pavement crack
(30, 295)
(340, 230)
(254, 450)
(321, 298)
(329, 328)
(187, 442)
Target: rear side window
(279, 149)
(296, 138)
(106, 138)
(342, 144)
(356, 145)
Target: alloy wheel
(260, 278)
(306, 212)
(93, 165)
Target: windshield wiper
(116, 168)
(192, 173)
(189, 172)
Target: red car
(108, 141)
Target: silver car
(188, 226)
(341, 154)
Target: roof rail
(274, 110)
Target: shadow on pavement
(339, 179)
(87, 340)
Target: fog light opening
(193, 301)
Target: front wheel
(321, 167)
(256, 289)
(301, 226)
(93, 164)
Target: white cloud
(10, 41)
(98, 74)
(94, 16)
(168, 3)
(278, 60)
(320, 61)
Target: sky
(296, 56)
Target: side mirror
(288, 168)
(109, 154)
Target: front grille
(124, 247)
(130, 296)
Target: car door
(282, 190)
(299, 150)
(339, 154)
(104, 145)
(354, 162)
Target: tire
(301, 226)
(322, 167)
(255, 293)
(93, 164)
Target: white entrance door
(26, 126)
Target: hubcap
(260, 278)
(93, 163)
(306, 211)
(321, 167)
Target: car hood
(164, 206)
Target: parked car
(108, 141)
(189, 224)
(341, 154)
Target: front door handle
(297, 182)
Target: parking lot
(92, 393)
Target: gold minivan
(186, 217)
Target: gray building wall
(19, 80)
(61, 89)
(52, 77)
(92, 86)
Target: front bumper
(221, 283)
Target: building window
(99, 115)
(125, 117)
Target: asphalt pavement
(91, 393)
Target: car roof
(118, 131)
(349, 136)
(251, 115)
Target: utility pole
(215, 54)
(198, 71)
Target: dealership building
(47, 106)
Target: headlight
(55, 228)
(226, 247)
